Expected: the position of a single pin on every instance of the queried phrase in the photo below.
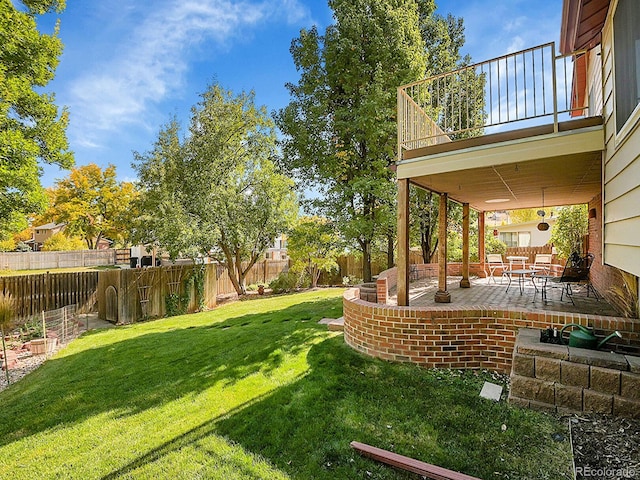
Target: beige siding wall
(594, 81)
(621, 175)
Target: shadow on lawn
(305, 427)
(138, 373)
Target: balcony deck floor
(487, 293)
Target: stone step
(334, 324)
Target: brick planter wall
(448, 337)
(561, 378)
(388, 279)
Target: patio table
(544, 279)
(517, 259)
(521, 274)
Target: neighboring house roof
(525, 225)
(50, 226)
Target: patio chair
(542, 263)
(576, 272)
(414, 274)
(494, 262)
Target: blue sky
(127, 67)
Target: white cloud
(152, 62)
(517, 44)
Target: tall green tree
(32, 129)
(94, 205)
(340, 125)
(314, 247)
(571, 226)
(216, 192)
(423, 214)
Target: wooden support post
(481, 249)
(464, 283)
(403, 242)
(427, 470)
(442, 295)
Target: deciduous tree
(60, 242)
(32, 129)
(93, 204)
(217, 192)
(314, 247)
(339, 128)
(570, 229)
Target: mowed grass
(257, 389)
(18, 273)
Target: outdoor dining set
(541, 273)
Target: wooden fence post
(44, 334)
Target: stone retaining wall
(561, 378)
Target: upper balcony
(531, 105)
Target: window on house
(516, 239)
(524, 239)
(510, 239)
(626, 44)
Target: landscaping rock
(491, 391)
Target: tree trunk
(366, 261)
(234, 280)
(5, 360)
(234, 269)
(390, 259)
(242, 288)
(314, 273)
(97, 241)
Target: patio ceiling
(509, 170)
(568, 179)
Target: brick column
(442, 295)
(403, 242)
(464, 283)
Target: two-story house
(42, 233)
(554, 120)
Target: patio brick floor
(483, 293)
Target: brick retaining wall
(388, 279)
(448, 337)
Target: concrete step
(333, 324)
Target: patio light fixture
(542, 226)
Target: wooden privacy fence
(262, 272)
(129, 295)
(48, 291)
(351, 266)
(44, 260)
(529, 252)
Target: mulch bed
(605, 447)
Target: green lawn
(18, 273)
(257, 389)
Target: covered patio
(488, 293)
